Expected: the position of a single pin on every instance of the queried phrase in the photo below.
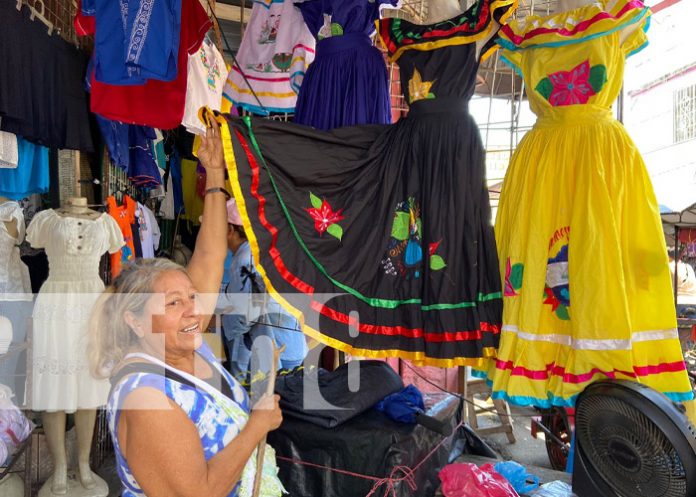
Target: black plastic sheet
(329, 399)
(370, 444)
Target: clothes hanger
(35, 14)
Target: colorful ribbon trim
(396, 42)
(554, 370)
(517, 40)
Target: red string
(391, 481)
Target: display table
(369, 444)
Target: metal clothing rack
(24, 451)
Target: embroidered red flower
(551, 299)
(324, 216)
(571, 87)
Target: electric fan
(631, 441)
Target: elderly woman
(180, 424)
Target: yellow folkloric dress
(587, 292)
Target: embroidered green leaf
(598, 77)
(316, 201)
(419, 227)
(562, 313)
(545, 87)
(516, 275)
(335, 230)
(400, 226)
(336, 29)
(437, 262)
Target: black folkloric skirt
(378, 238)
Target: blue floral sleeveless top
(214, 424)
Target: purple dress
(347, 84)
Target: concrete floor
(527, 450)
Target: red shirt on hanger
(156, 104)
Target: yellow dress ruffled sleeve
(575, 26)
(637, 40)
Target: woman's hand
(266, 415)
(210, 151)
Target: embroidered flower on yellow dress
(419, 89)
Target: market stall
(366, 150)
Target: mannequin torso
(10, 226)
(77, 207)
(442, 10)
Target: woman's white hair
(110, 336)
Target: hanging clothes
(394, 220)
(31, 174)
(131, 148)
(85, 22)
(42, 98)
(173, 203)
(14, 274)
(9, 152)
(274, 54)
(125, 216)
(148, 230)
(587, 287)
(135, 229)
(160, 154)
(136, 41)
(192, 201)
(158, 104)
(347, 84)
(207, 73)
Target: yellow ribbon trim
(418, 358)
(262, 93)
(296, 59)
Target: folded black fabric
(328, 399)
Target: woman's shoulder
(146, 379)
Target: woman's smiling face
(173, 315)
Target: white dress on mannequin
(74, 246)
(14, 274)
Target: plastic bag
(518, 477)
(554, 489)
(468, 480)
(14, 426)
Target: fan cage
(635, 441)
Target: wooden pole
(261, 449)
